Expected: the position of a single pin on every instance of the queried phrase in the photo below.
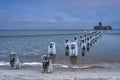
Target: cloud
(99, 2)
(68, 5)
(45, 21)
(66, 12)
(79, 3)
(26, 20)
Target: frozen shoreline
(34, 73)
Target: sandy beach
(34, 73)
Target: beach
(59, 40)
(101, 62)
(34, 73)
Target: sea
(30, 45)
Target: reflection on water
(83, 52)
(67, 51)
(73, 59)
(88, 48)
(53, 58)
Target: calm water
(31, 45)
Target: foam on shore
(81, 66)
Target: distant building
(100, 27)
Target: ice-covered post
(52, 48)
(73, 49)
(67, 47)
(47, 66)
(14, 61)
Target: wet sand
(34, 73)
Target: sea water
(30, 45)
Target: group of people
(71, 49)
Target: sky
(58, 14)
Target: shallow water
(31, 45)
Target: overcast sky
(58, 14)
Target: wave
(3, 63)
(86, 66)
(31, 64)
